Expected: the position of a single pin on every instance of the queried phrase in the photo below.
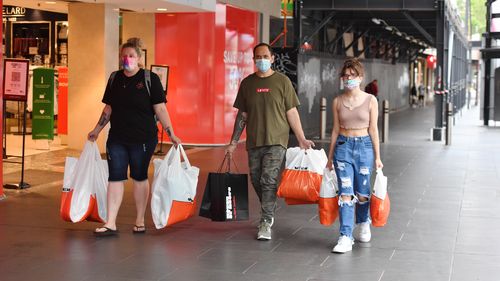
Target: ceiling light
(399, 33)
(388, 28)
(376, 21)
(161, 9)
(50, 2)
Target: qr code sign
(16, 76)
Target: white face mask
(351, 84)
(130, 63)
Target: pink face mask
(129, 63)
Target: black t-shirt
(132, 115)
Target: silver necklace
(351, 103)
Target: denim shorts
(122, 155)
(353, 161)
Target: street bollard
(385, 118)
(322, 119)
(449, 122)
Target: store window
(62, 31)
(31, 40)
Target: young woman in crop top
(354, 150)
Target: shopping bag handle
(92, 146)
(184, 156)
(228, 164)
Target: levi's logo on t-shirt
(263, 90)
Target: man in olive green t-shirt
(266, 103)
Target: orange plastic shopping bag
(85, 186)
(380, 205)
(181, 211)
(301, 178)
(328, 205)
(173, 188)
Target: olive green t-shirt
(266, 101)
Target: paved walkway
(444, 223)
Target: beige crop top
(355, 118)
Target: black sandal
(106, 233)
(139, 229)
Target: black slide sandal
(105, 233)
(139, 229)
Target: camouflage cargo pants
(266, 164)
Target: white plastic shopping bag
(301, 178)
(85, 186)
(380, 185)
(328, 205)
(173, 189)
(99, 213)
(380, 205)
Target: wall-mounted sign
(13, 11)
(15, 79)
(162, 72)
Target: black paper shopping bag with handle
(226, 195)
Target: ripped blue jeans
(353, 161)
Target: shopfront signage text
(13, 11)
(238, 63)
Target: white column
(92, 55)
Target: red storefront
(208, 55)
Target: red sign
(431, 62)
(62, 102)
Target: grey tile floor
(444, 223)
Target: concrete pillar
(93, 54)
(266, 22)
(141, 25)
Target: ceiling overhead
(142, 6)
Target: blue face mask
(263, 65)
(351, 84)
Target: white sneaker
(344, 245)
(264, 233)
(363, 233)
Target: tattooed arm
(103, 120)
(162, 114)
(239, 126)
